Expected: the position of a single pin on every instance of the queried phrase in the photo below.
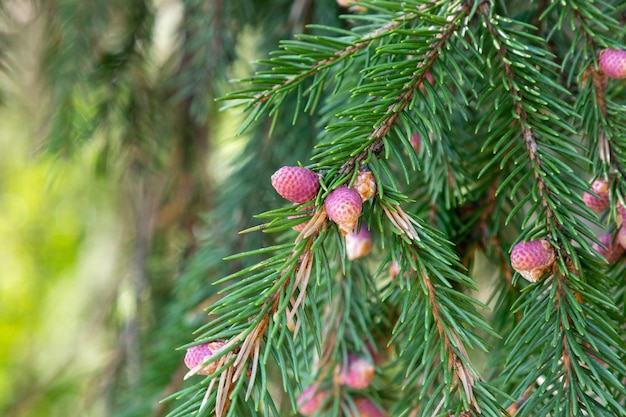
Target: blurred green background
(117, 202)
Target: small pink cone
(366, 408)
(296, 184)
(614, 250)
(310, 401)
(196, 355)
(343, 206)
(532, 259)
(358, 373)
(358, 244)
(612, 62)
(600, 202)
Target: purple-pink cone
(416, 142)
(600, 202)
(532, 259)
(613, 251)
(343, 206)
(296, 184)
(310, 401)
(357, 373)
(612, 62)
(366, 408)
(358, 244)
(197, 354)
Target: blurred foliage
(57, 252)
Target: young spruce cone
(532, 259)
(600, 202)
(358, 373)
(198, 354)
(310, 401)
(343, 206)
(612, 62)
(367, 408)
(296, 184)
(612, 250)
(358, 244)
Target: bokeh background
(116, 202)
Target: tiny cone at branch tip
(306, 212)
(612, 62)
(600, 202)
(394, 270)
(358, 373)
(358, 244)
(196, 355)
(343, 206)
(296, 184)
(310, 401)
(366, 408)
(612, 251)
(416, 142)
(365, 184)
(532, 259)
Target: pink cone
(343, 206)
(296, 184)
(358, 244)
(198, 354)
(612, 62)
(532, 259)
(358, 373)
(613, 251)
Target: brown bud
(365, 184)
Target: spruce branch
(568, 325)
(284, 290)
(522, 120)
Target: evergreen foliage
(513, 126)
(515, 120)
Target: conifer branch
(457, 359)
(394, 110)
(243, 350)
(522, 120)
(290, 82)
